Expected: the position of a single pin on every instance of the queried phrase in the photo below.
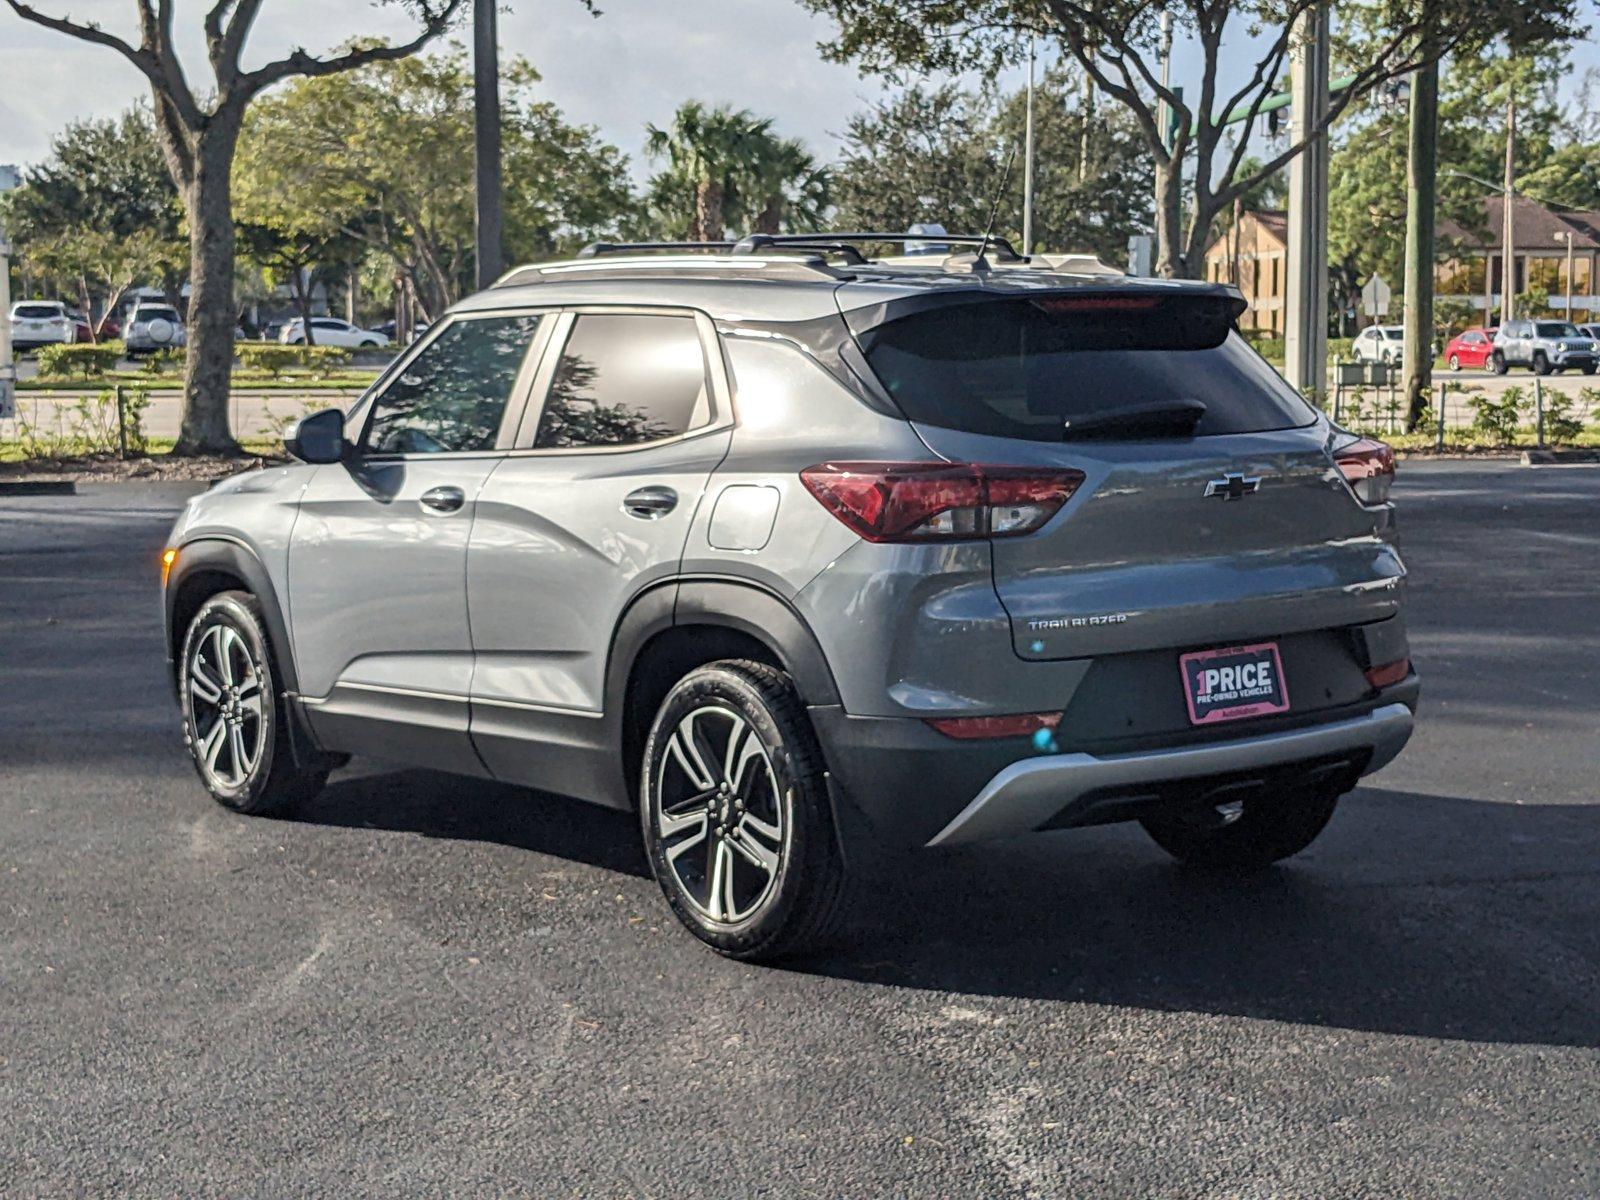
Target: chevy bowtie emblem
(1233, 487)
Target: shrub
(159, 362)
(82, 360)
(275, 358)
(1561, 421)
(1497, 417)
(88, 426)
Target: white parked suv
(153, 327)
(36, 323)
(330, 331)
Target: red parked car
(1469, 348)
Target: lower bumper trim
(1029, 794)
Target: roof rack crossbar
(596, 249)
(756, 242)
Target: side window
(624, 380)
(452, 396)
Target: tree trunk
(208, 373)
(708, 211)
(1169, 219)
(771, 216)
(1422, 164)
(300, 289)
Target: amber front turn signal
(168, 557)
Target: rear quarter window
(1024, 368)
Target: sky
(633, 64)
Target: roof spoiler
(836, 242)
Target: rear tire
(734, 808)
(235, 724)
(1263, 833)
(1455, 362)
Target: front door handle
(648, 503)
(443, 499)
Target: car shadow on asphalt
(450, 806)
(1422, 915)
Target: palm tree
(791, 189)
(708, 152)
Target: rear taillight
(1384, 674)
(929, 501)
(1368, 467)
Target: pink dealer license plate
(1239, 681)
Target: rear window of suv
(37, 312)
(156, 313)
(1024, 368)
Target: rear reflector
(1018, 725)
(935, 501)
(1384, 674)
(1368, 467)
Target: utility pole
(1306, 318)
(486, 111)
(8, 370)
(1508, 220)
(1027, 160)
(1422, 167)
(1566, 235)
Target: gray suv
(1543, 347)
(811, 560)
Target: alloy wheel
(719, 814)
(225, 702)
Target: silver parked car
(810, 560)
(1543, 347)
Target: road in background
(429, 985)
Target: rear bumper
(1065, 789)
(898, 785)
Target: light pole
(8, 370)
(486, 115)
(1027, 160)
(1566, 234)
(1507, 272)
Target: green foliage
(79, 360)
(1498, 416)
(1561, 421)
(729, 168)
(276, 358)
(384, 156)
(90, 425)
(937, 153)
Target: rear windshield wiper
(1164, 418)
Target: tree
(937, 153)
(725, 165)
(199, 132)
(324, 151)
(101, 210)
(1115, 42)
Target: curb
(1539, 458)
(38, 487)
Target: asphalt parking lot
(429, 986)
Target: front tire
(1541, 364)
(1256, 835)
(234, 723)
(734, 806)
(1497, 364)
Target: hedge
(275, 358)
(82, 359)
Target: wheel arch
(669, 630)
(210, 565)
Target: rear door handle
(443, 499)
(648, 503)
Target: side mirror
(318, 438)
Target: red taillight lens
(1018, 725)
(1368, 468)
(1382, 675)
(921, 502)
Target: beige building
(1471, 263)
(1253, 255)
